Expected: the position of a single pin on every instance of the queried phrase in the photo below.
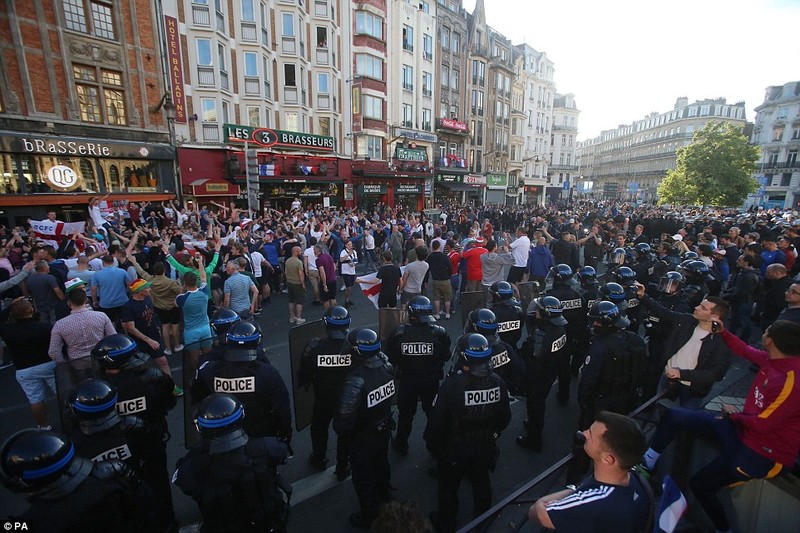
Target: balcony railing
(252, 86)
(249, 31)
(427, 55)
(408, 46)
(408, 86)
(220, 22)
(211, 132)
(223, 80)
(205, 76)
(200, 15)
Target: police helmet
(474, 348)
(608, 316)
(670, 282)
(364, 342)
(690, 255)
(618, 256)
(337, 322)
(561, 272)
(483, 321)
(501, 290)
(94, 404)
(625, 276)
(614, 292)
(243, 341)
(643, 250)
(630, 254)
(552, 309)
(223, 320)
(587, 275)
(118, 351)
(34, 459)
(218, 414)
(420, 310)
(696, 271)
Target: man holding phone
(694, 355)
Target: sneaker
(348, 303)
(299, 321)
(447, 316)
(291, 320)
(179, 348)
(342, 289)
(285, 291)
(177, 392)
(258, 312)
(167, 351)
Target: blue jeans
(736, 462)
(455, 283)
(682, 394)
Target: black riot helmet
(615, 293)
(243, 341)
(219, 419)
(690, 255)
(551, 309)
(561, 273)
(670, 282)
(501, 291)
(94, 404)
(223, 320)
(337, 322)
(474, 348)
(606, 317)
(625, 276)
(696, 272)
(364, 342)
(483, 321)
(587, 275)
(617, 256)
(643, 250)
(35, 459)
(118, 351)
(630, 255)
(420, 310)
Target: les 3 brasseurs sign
(269, 138)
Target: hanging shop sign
(269, 138)
(175, 60)
(62, 178)
(451, 124)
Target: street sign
(566, 185)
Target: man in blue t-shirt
(612, 499)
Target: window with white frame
(225, 116)
(204, 52)
(289, 75)
(264, 24)
(427, 83)
(293, 121)
(372, 106)
(454, 79)
(427, 46)
(91, 17)
(408, 116)
(321, 8)
(408, 78)
(254, 116)
(455, 43)
(323, 83)
(445, 35)
(427, 116)
(208, 110)
(248, 11)
(408, 38)
(287, 25)
(369, 24)
(370, 146)
(251, 64)
(369, 65)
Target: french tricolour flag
(673, 505)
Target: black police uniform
(468, 415)
(259, 387)
(237, 489)
(146, 392)
(110, 498)
(575, 309)
(126, 441)
(590, 294)
(510, 319)
(611, 375)
(635, 313)
(656, 332)
(417, 353)
(507, 363)
(324, 366)
(644, 269)
(544, 352)
(364, 419)
(693, 293)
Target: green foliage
(716, 169)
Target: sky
(623, 59)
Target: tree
(715, 169)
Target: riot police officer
(364, 419)
(102, 433)
(145, 391)
(543, 351)
(587, 276)
(221, 322)
(470, 411)
(507, 310)
(417, 351)
(231, 476)
(694, 288)
(645, 261)
(324, 365)
(506, 363)
(254, 382)
(575, 309)
(70, 493)
(626, 277)
(616, 259)
(590, 291)
(611, 375)
(615, 293)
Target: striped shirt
(80, 331)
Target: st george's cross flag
(52, 232)
(673, 505)
(372, 291)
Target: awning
(213, 187)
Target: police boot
(319, 463)
(342, 471)
(529, 443)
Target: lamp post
(170, 112)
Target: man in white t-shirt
(347, 260)
(369, 249)
(520, 248)
(310, 262)
(259, 263)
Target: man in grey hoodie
(492, 264)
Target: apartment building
(630, 160)
(777, 133)
(563, 168)
(81, 108)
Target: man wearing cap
(141, 322)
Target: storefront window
(35, 170)
(130, 175)
(9, 179)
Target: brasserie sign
(269, 138)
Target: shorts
(442, 290)
(297, 294)
(154, 354)
(112, 313)
(34, 379)
(406, 297)
(198, 339)
(169, 316)
(263, 280)
(515, 274)
(217, 283)
(349, 279)
(327, 291)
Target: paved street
(320, 503)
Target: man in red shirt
(758, 442)
(488, 230)
(473, 253)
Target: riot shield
(527, 292)
(68, 376)
(299, 337)
(469, 302)
(388, 320)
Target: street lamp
(170, 112)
